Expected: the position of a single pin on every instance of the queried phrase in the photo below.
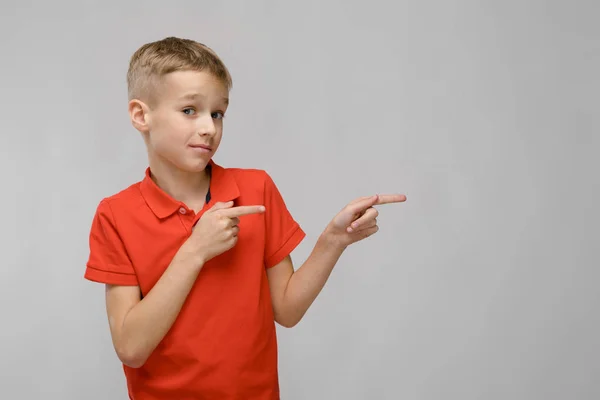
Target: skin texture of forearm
(306, 283)
(148, 321)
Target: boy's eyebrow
(192, 96)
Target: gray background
(484, 113)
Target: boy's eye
(189, 111)
(217, 115)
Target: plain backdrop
(483, 285)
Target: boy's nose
(206, 126)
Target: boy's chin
(194, 167)
(184, 164)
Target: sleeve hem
(114, 278)
(295, 237)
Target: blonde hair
(154, 60)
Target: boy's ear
(138, 112)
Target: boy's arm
(137, 326)
(292, 293)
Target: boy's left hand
(358, 220)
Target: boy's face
(183, 127)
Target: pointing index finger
(360, 205)
(234, 212)
(390, 198)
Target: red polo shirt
(223, 343)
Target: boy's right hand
(217, 230)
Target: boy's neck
(187, 187)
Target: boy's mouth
(201, 147)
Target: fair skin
(189, 116)
(293, 292)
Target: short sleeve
(108, 260)
(283, 233)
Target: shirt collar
(223, 188)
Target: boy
(196, 257)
